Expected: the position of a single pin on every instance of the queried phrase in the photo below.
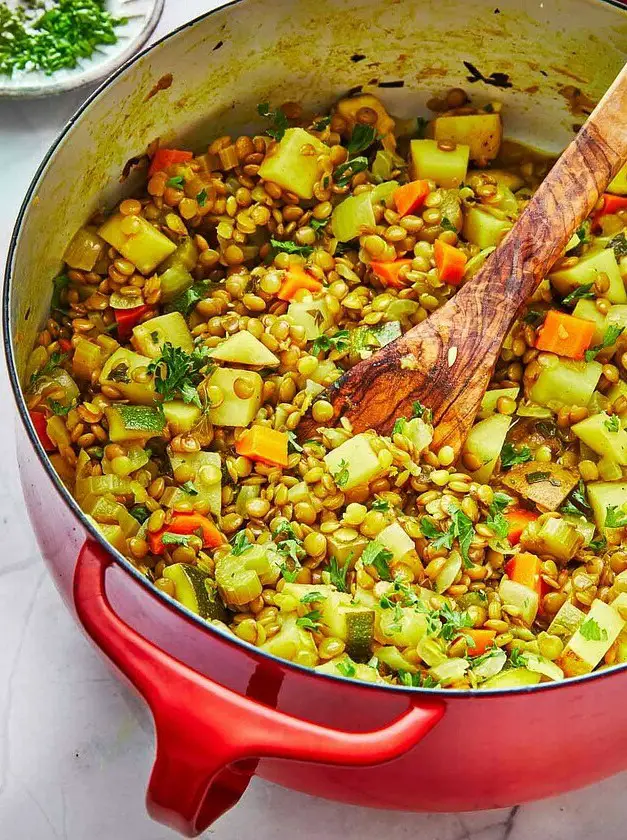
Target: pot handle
(204, 731)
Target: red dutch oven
(223, 710)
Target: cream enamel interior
(253, 51)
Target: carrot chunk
(296, 280)
(261, 443)
(410, 197)
(388, 272)
(517, 520)
(611, 205)
(565, 335)
(187, 524)
(482, 639)
(450, 262)
(168, 157)
(525, 568)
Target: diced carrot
(388, 272)
(611, 204)
(482, 639)
(517, 520)
(525, 568)
(565, 335)
(261, 443)
(40, 422)
(296, 280)
(126, 319)
(410, 197)
(168, 157)
(450, 262)
(187, 523)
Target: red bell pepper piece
(126, 319)
(40, 423)
(450, 262)
(518, 519)
(168, 157)
(187, 523)
(65, 344)
(611, 204)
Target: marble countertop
(75, 747)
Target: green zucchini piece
(518, 595)
(207, 481)
(352, 623)
(485, 441)
(134, 422)
(451, 671)
(352, 217)
(195, 590)
(175, 280)
(554, 536)
(605, 436)
(515, 678)
(566, 383)
(566, 621)
(586, 271)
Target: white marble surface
(75, 748)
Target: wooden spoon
(446, 361)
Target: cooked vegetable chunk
(293, 163)
(145, 247)
(544, 484)
(446, 168)
(482, 133)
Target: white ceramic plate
(142, 17)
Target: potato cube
(145, 248)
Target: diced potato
(490, 399)
(181, 416)
(503, 177)
(544, 484)
(482, 133)
(618, 185)
(234, 410)
(592, 640)
(207, 480)
(312, 314)
(288, 166)
(297, 644)
(242, 348)
(566, 383)
(353, 216)
(84, 250)
(86, 358)
(354, 462)
(566, 621)
(484, 442)
(518, 595)
(343, 666)
(587, 310)
(150, 336)
(484, 229)
(114, 535)
(431, 651)
(604, 494)
(145, 248)
(541, 665)
(586, 528)
(447, 169)
(587, 270)
(599, 433)
(118, 373)
(396, 540)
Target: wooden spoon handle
(565, 198)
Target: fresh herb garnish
(190, 488)
(59, 284)
(454, 622)
(290, 573)
(140, 513)
(362, 137)
(201, 198)
(318, 224)
(292, 442)
(313, 598)
(380, 505)
(279, 120)
(495, 518)
(439, 539)
(175, 539)
(534, 317)
(339, 341)
(447, 224)
(598, 545)
(464, 532)
(420, 411)
(511, 456)
(592, 631)
(119, 373)
(611, 334)
(54, 361)
(615, 517)
(517, 659)
(58, 408)
(579, 495)
(579, 293)
(612, 423)
(177, 182)
(337, 574)
(177, 373)
(346, 669)
(378, 556)
(240, 543)
(311, 621)
(619, 245)
(342, 475)
(291, 248)
(344, 172)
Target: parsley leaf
(342, 475)
(190, 488)
(140, 513)
(534, 317)
(310, 621)
(612, 423)
(240, 543)
(201, 198)
(337, 574)
(517, 659)
(292, 442)
(293, 549)
(510, 455)
(175, 539)
(454, 622)
(418, 410)
(318, 224)
(378, 556)
(579, 293)
(289, 247)
(615, 517)
(344, 172)
(610, 337)
(598, 545)
(380, 505)
(177, 372)
(439, 539)
(346, 668)
(362, 137)
(495, 519)
(313, 597)
(279, 120)
(339, 341)
(59, 284)
(579, 495)
(619, 244)
(447, 224)
(59, 409)
(463, 529)
(592, 631)
(290, 574)
(177, 183)
(55, 360)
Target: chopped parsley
(177, 373)
(175, 539)
(439, 539)
(598, 545)
(619, 245)
(290, 573)
(511, 456)
(190, 488)
(339, 341)
(119, 373)
(313, 597)
(447, 224)
(344, 172)
(580, 293)
(454, 622)
(140, 513)
(346, 668)
(592, 631)
(177, 182)
(517, 659)
(240, 543)
(612, 424)
(201, 198)
(59, 409)
(461, 528)
(420, 411)
(615, 517)
(319, 224)
(55, 360)
(610, 337)
(362, 137)
(311, 621)
(342, 475)
(378, 556)
(534, 317)
(59, 284)
(495, 519)
(380, 505)
(337, 574)
(322, 123)
(278, 118)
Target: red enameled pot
(222, 709)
